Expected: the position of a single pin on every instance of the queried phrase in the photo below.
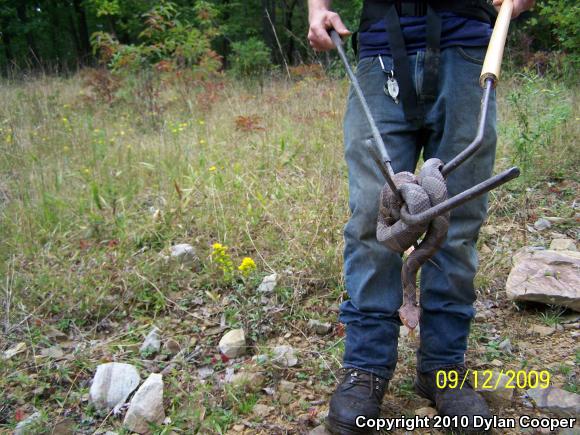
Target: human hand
(321, 22)
(519, 6)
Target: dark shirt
(455, 31)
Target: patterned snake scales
(419, 194)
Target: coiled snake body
(419, 194)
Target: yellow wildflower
(212, 168)
(223, 260)
(247, 266)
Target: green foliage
(548, 40)
(251, 57)
(106, 7)
(564, 18)
(540, 108)
(168, 43)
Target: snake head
(409, 315)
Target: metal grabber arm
(488, 80)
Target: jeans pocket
(472, 54)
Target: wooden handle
(492, 63)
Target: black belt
(402, 67)
(411, 8)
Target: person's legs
(372, 272)
(447, 290)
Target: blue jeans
(373, 272)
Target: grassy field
(94, 190)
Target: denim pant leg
(447, 287)
(372, 272)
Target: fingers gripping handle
(492, 62)
(336, 39)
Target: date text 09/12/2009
(462, 422)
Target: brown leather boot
(359, 393)
(453, 402)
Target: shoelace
(364, 379)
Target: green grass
(92, 196)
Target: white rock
(205, 372)
(321, 328)
(550, 277)
(233, 343)
(563, 245)
(146, 405)
(555, 400)
(505, 346)
(152, 343)
(542, 224)
(499, 395)
(18, 348)
(285, 356)
(183, 252)
(112, 384)
(28, 426)
(268, 283)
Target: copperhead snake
(419, 193)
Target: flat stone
(152, 343)
(320, 328)
(556, 400)
(233, 343)
(505, 346)
(542, 224)
(549, 277)
(268, 283)
(54, 352)
(285, 356)
(542, 331)
(500, 395)
(146, 406)
(496, 363)
(426, 411)
(563, 245)
(112, 384)
(205, 372)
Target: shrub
(251, 58)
